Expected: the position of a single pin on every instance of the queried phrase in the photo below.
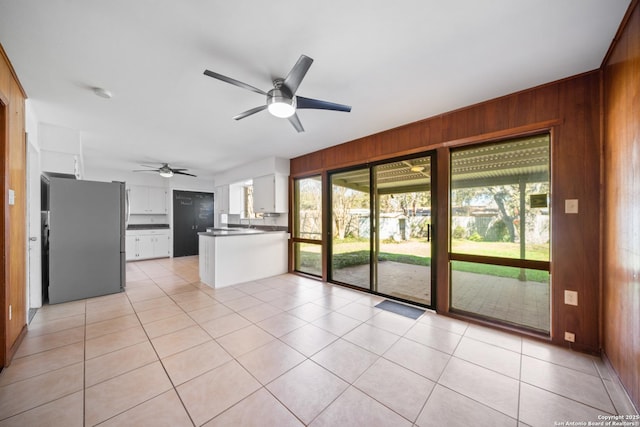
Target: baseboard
(14, 347)
(618, 393)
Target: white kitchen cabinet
(161, 247)
(138, 199)
(236, 198)
(229, 198)
(157, 200)
(270, 193)
(131, 248)
(146, 244)
(222, 199)
(147, 200)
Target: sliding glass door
(307, 225)
(501, 231)
(381, 228)
(351, 227)
(404, 230)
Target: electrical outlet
(571, 297)
(10, 312)
(570, 336)
(571, 206)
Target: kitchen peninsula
(235, 255)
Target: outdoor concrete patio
(522, 303)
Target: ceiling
(393, 62)
(511, 162)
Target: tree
(344, 201)
(309, 211)
(504, 197)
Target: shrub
(459, 232)
(475, 237)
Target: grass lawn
(500, 271)
(350, 252)
(500, 249)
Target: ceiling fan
(282, 100)
(165, 170)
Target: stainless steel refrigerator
(85, 234)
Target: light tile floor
(284, 351)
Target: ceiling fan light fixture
(166, 174)
(280, 105)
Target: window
(307, 225)
(500, 231)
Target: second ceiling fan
(282, 100)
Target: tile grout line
(174, 387)
(233, 358)
(350, 384)
(451, 357)
(519, 383)
(158, 360)
(307, 358)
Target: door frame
(522, 263)
(34, 269)
(330, 226)
(4, 144)
(373, 215)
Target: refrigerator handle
(128, 205)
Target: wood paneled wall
(621, 250)
(570, 110)
(13, 292)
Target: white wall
(34, 248)
(131, 178)
(188, 183)
(252, 170)
(60, 149)
(31, 124)
(151, 179)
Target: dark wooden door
(192, 213)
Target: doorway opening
(381, 228)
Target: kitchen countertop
(218, 232)
(254, 254)
(147, 226)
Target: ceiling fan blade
(297, 73)
(250, 112)
(177, 172)
(179, 169)
(234, 82)
(149, 166)
(146, 170)
(295, 121)
(317, 104)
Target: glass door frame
(521, 263)
(330, 225)
(374, 223)
(295, 239)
